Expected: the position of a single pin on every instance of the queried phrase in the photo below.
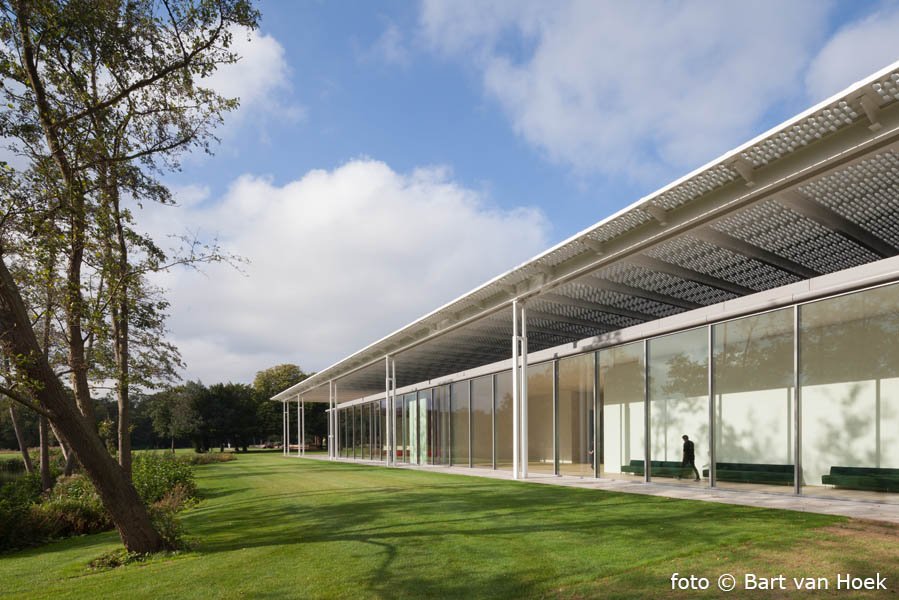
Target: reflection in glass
(541, 418)
(365, 432)
(576, 383)
(482, 422)
(753, 402)
(410, 414)
(357, 442)
(849, 366)
(439, 426)
(460, 414)
(622, 371)
(679, 403)
(424, 399)
(504, 428)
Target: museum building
(752, 305)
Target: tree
(173, 411)
(69, 68)
(266, 384)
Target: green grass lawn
(272, 527)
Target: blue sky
(390, 156)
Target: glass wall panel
(364, 429)
(398, 431)
(754, 402)
(357, 440)
(849, 366)
(679, 405)
(424, 399)
(482, 422)
(346, 440)
(541, 418)
(460, 413)
(621, 372)
(382, 426)
(503, 423)
(410, 428)
(439, 426)
(575, 401)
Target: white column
(524, 391)
(334, 422)
(287, 420)
(283, 430)
(303, 423)
(515, 392)
(389, 430)
(330, 406)
(393, 405)
(299, 428)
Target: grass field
(271, 527)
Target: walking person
(689, 459)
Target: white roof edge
(842, 95)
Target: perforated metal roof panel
(816, 195)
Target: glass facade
(651, 393)
(439, 426)
(482, 422)
(679, 405)
(849, 394)
(502, 385)
(622, 371)
(541, 418)
(754, 401)
(460, 396)
(575, 415)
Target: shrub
(155, 474)
(72, 508)
(209, 458)
(16, 499)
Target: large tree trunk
(44, 430)
(23, 446)
(115, 489)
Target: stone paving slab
(857, 509)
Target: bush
(73, 508)
(209, 458)
(16, 499)
(155, 474)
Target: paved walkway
(875, 511)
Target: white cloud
(261, 78)
(626, 87)
(338, 259)
(855, 51)
(390, 47)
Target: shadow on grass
(419, 516)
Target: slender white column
(283, 430)
(299, 428)
(393, 404)
(515, 392)
(524, 391)
(330, 424)
(287, 420)
(389, 431)
(303, 423)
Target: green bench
(658, 468)
(873, 479)
(771, 474)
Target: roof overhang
(815, 195)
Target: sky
(388, 157)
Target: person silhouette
(689, 459)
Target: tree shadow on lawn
(426, 524)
